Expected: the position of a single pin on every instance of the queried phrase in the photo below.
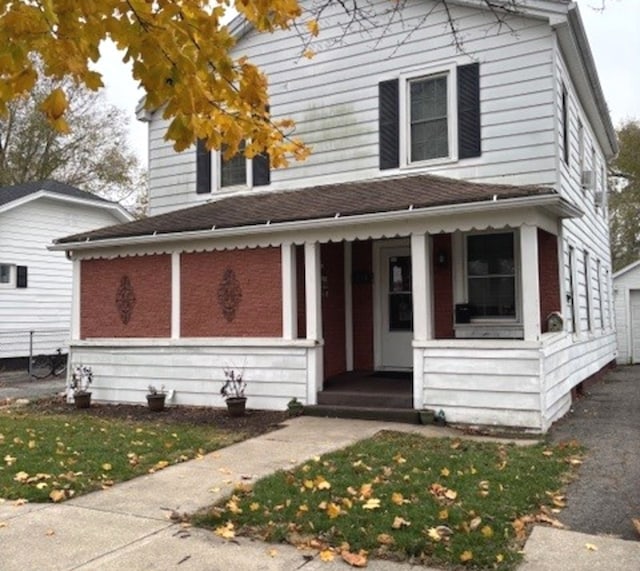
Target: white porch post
(530, 280)
(289, 293)
(421, 285)
(313, 298)
(348, 305)
(175, 295)
(75, 299)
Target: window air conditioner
(587, 179)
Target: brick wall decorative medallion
(125, 299)
(229, 294)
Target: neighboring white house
(453, 201)
(626, 289)
(35, 283)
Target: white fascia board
(626, 269)
(117, 210)
(553, 203)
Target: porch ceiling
(345, 200)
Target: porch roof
(384, 195)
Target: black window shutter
(469, 144)
(21, 276)
(388, 124)
(203, 168)
(261, 170)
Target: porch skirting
(510, 383)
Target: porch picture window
(491, 275)
(429, 126)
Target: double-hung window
(6, 275)
(430, 115)
(233, 171)
(491, 275)
(428, 118)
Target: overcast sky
(614, 35)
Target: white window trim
(12, 276)
(447, 69)
(216, 175)
(517, 319)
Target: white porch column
(175, 295)
(348, 305)
(421, 284)
(530, 280)
(75, 299)
(313, 298)
(289, 293)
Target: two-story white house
(450, 227)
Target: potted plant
(427, 416)
(156, 398)
(295, 407)
(81, 378)
(233, 392)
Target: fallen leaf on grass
(158, 466)
(385, 539)
(400, 522)
(355, 559)
(397, 498)
(371, 504)
(107, 467)
(57, 495)
(466, 556)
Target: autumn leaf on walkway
(355, 559)
(326, 555)
(636, 524)
(226, 531)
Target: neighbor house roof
(384, 195)
(13, 196)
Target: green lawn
(402, 496)
(55, 456)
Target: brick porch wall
(549, 278)
(362, 293)
(150, 278)
(333, 321)
(259, 312)
(442, 288)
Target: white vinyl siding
(333, 99)
(44, 306)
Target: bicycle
(43, 366)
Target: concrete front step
(365, 400)
(406, 415)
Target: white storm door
(396, 300)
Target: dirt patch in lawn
(254, 422)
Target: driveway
(18, 385)
(606, 496)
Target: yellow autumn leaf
(107, 467)
(466, 556)
(397, 498)
(321, 483)
(158, 466)
(475, 523)
(326, 555)
(3, 524)
(309, 53)
(312, 26)
(308, 484)
(371, 504)
(333, 510)
(31, 444)
(443, 514)
(444, 472)
(55, 104)
(451, 494)
(434, 534)
(591, 546)
(226, 531)
(272, 552)
(499, 558)
(385, 539)
(254, 506)
(399, 459)
(487, 531)
(366, 490)
(42, 485)
(21, 477)
(57, 495)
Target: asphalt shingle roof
(314, 203)
(11, 193)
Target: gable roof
(632, 266)
(12, 196)
(317, 204)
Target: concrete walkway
(129, 526)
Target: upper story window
(234, 170)
(430, 117)
(491, 275)
(213, 173)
